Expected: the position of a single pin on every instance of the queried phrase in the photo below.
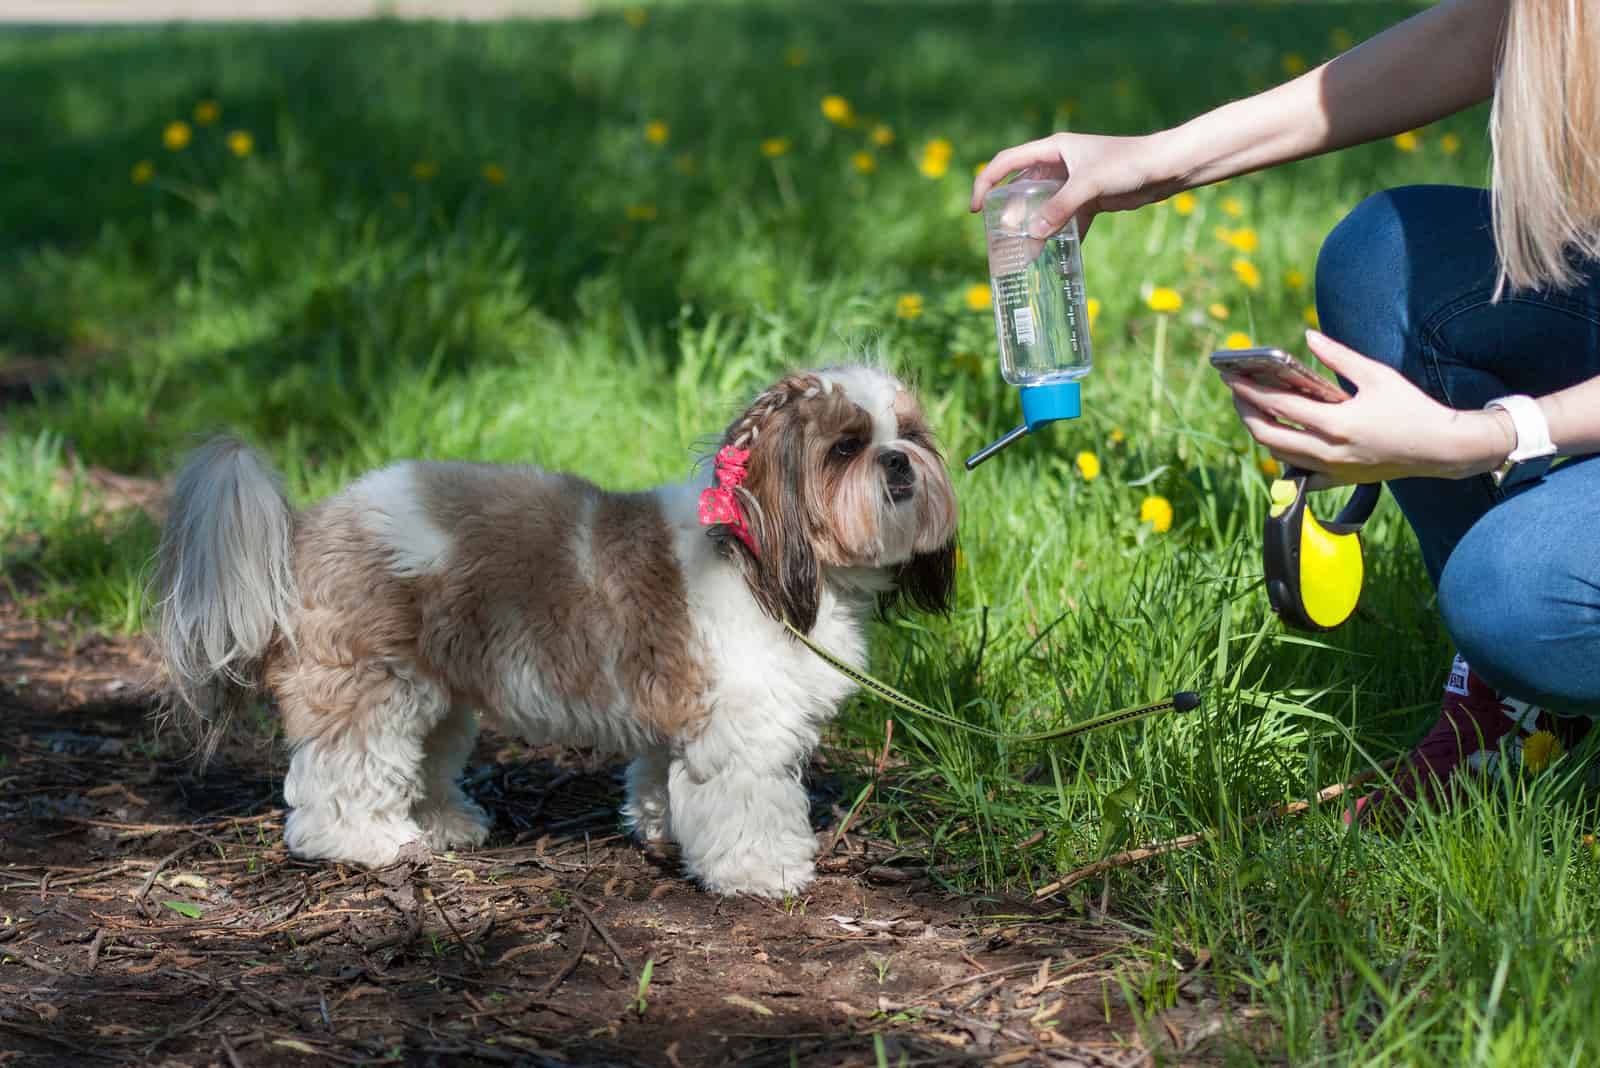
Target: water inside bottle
(1039, 305)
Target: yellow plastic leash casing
(1314, 570)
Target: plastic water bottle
(1040, 311)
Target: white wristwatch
(1531, 457)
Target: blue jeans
(1408, 278)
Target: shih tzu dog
(386, 619)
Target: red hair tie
(719, 503)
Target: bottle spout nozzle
(995, 446)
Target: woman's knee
(1523, 620)
(1368, 270)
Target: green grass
(613, 300)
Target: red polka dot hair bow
(719, 502)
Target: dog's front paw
(461, 824)
(769, 883)
(313, 833)
(783, 868)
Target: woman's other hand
(1389, 429)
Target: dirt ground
(149, 914)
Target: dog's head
(843, 479)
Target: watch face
(1515, 474)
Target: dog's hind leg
(447, 816)
(358, 765)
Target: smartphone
(1276, 369)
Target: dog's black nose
(896, 463)
(897, 473)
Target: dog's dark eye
(846, 448)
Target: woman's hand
(1102, 174)
(1389, 429)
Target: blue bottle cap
(1049, 403)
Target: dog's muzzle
(898, 475)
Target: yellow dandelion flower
(1092, 306)
(836, 109)
(864, 162)
(142, 172)
(795, 56)
(207, 112)
(1341, 39)
(641, 212)
(773, 147)
(933, 166)
(1293, 63)
(1217, 311)
(1232, 207)
(1247, 273)
(1244, 239)
(177, 136)
(1310, 316)
(909, 306)
(424, 170)
(1162, 299)
(657, 132)
(683, 163)
(938, 148)
(1236, 340)
(882, 135)
(978, 297)
(1449, 144)
(1269, 467)
(1185, 203)
(1295, 280)
(1117, 436)
(1088, 465)
(1539, 750)
(240, 143)
(1408, 141)
(636, 17)
(1157, 511)
(493, 173)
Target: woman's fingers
(1016, 158)
(1056, 212)
(1299, 448)
(1343, 360)
(1320, 417)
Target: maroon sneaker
(1474, 721)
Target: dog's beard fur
(424, 595)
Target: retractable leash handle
(1314, 570)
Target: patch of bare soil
(149, 914)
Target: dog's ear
(784, 577)
(927, 580)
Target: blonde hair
(1545, 130)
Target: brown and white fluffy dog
(386, 619)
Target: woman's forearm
(1574, 417)
(1432, 65)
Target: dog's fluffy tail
(224, 585)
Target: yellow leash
(1182, 701)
